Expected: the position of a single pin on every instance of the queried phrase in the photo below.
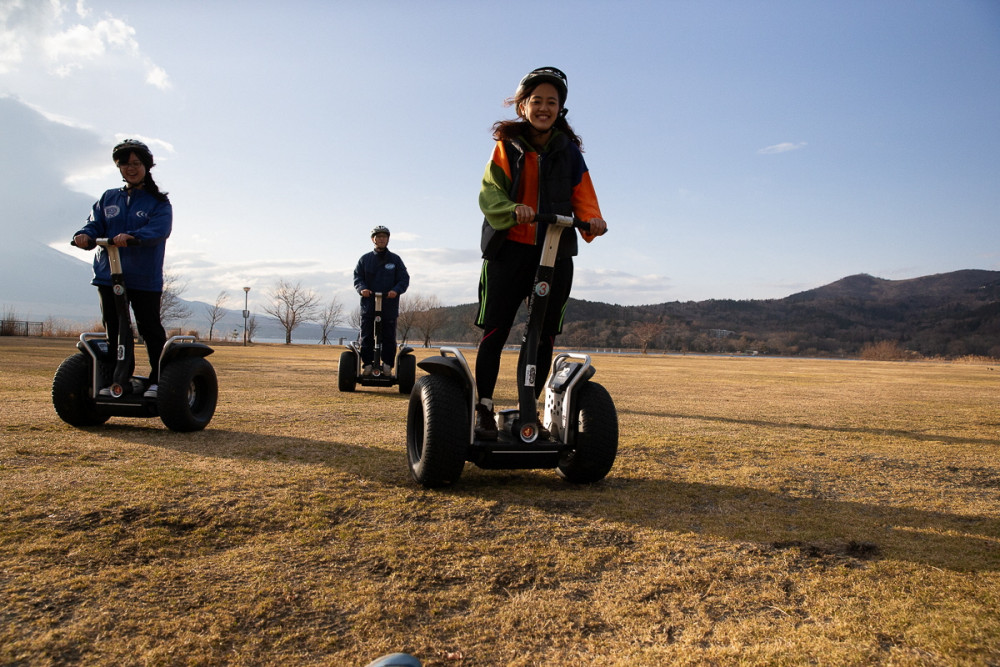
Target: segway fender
(185, 350)
(449, 366)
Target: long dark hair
(148, 184)
(512, 129)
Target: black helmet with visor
(128, 146)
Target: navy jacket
(381, 272)
(143, 216)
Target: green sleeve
(494, 200)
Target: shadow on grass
(740, 513)
(941, 539)
(762, 423)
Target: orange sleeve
(585, 204)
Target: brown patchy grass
(761, 511)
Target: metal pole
(246, 312)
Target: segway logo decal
(390, 266)
(121, 352)
(529, 375)
(542, 288)
(111, 211)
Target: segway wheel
(437, 431)
(347, 371)
(187, 394)
(406, 372)
(71, 393)
(596, 444)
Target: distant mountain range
(948, 314)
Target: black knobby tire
(596, 444)
(406, 372)
(347, 371)
(71, 393)
(187, 394)
(437, 431)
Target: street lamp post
(246, 312)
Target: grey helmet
(380, 230)
(551, 75)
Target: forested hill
(948, 314)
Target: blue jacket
(143, 216)
(381, 272)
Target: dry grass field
(761, 512)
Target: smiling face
(541, 109)
(132, 169)
(381, 240)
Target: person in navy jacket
(136, 211)
(380, 271)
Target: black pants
(368, 339)
(146, 306)
(504, 283)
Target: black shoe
(543, 433)
(486, 423)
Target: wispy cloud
(782, 148)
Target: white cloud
(11, 53)
(157, 76)
(782, 148)
(64, 43)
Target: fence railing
(21, 328)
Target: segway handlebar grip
(91, 246)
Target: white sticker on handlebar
(529, 375)
(542, 288)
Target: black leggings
(146, 306)
(488, 361)
(504, 284)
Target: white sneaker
(367, 370)
(386, 369)
(151, 392)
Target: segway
(580, 436)
(349, 371)
(187, 386)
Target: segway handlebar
(106, 242)
(562, 221)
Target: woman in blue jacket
(137, 211)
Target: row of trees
(292, 305)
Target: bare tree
(292, 305)
(216, 312)
(430, 318)
(331, 316)
(646, 333)
(171, 306)
(251, 328)
(8, 319)
(408, 309)
(355, 319)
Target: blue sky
(740, 150)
